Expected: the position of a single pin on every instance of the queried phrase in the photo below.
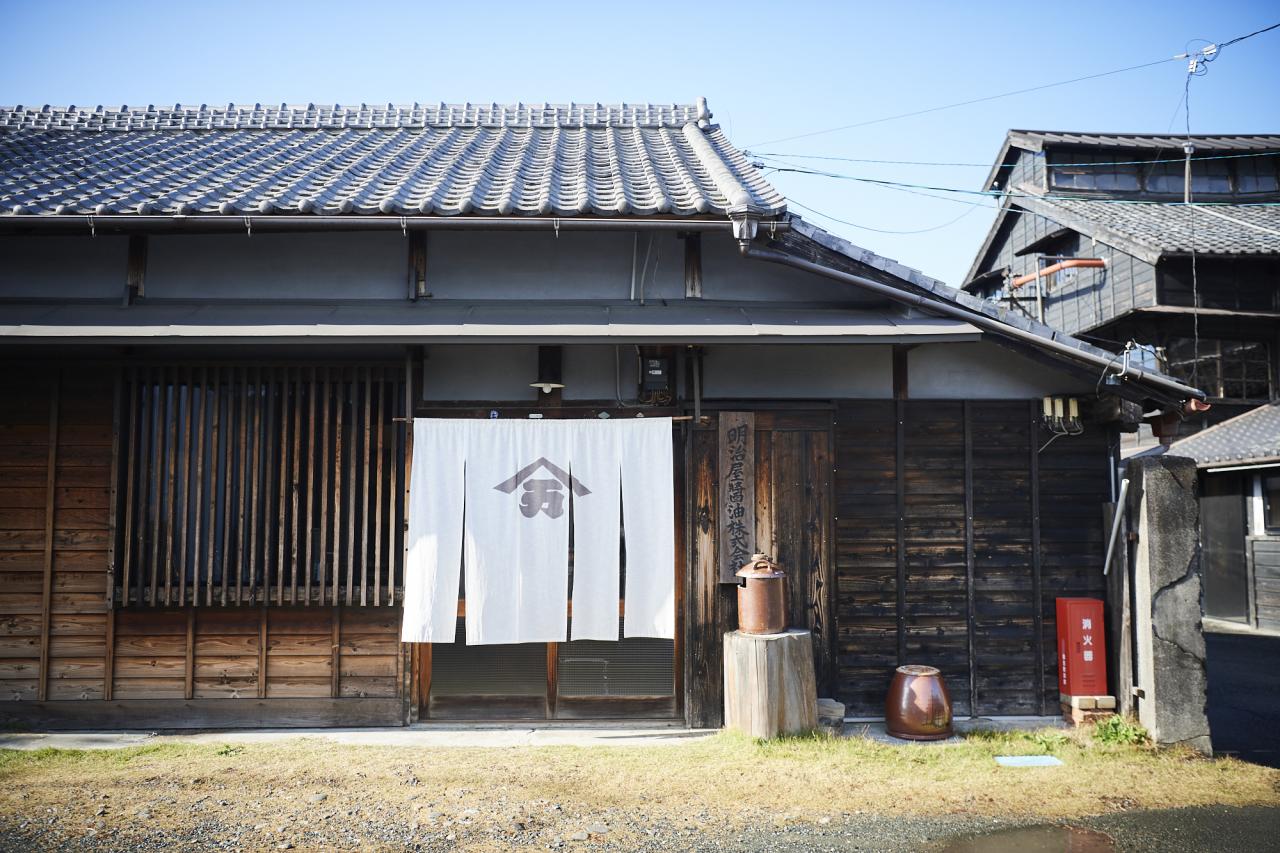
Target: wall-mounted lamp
(549, 369)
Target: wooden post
(190, 669)
(172, 401)
(136, 269)
(693, 265)
(971, 607)
(366, 457)
(109, 656)
(377, 500)
(900, 480)
(1038, 613)
(50, 506)
(553, 678)
(335, 649)
(309, 527)
(262, 649)
(116, 403)
(134, 448)
(418, 265)
(295, 484)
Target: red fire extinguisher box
(1082, 647)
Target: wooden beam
(681, 564)
(242, 497)
(553, 678)
(172, 402)
(309, 527)
(335, 648)
(1038, 612)
(282, 491)
(197, 504)
(190, 669)
(214, 393)
(418, 265)
(971, 606)
(186, 415)
(366, 394)
(109, 655)
(693, 266)
(351, 484)
(258, 462)
(900, 371)
(900, 516)
(136, 269)
(133, 445)
(295, 485)
(50, 506)
(377, 499)
(262, 650)
(117, 403)
(322, 576)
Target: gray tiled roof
(1203, 142)
(560, 160)
(1251, 437)
(1152, 230)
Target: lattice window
(267, 484)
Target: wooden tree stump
(769, 684)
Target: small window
(1224, 369)
(1271, 503)
(1166, 178)
(1107, 171)
(1256, 175)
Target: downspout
(988, 324)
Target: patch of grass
(728, 781)
(1118, 730)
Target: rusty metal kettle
(762, 604)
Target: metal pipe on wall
(91, 223)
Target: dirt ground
(723, 793)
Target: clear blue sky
(769, 69)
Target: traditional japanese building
(217, 325)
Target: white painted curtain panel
(495, 497)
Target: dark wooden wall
(63, 637)
(955, 532)
(793, 468)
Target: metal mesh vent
(636, 666)
(502, 670)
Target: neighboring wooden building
(1239, 462)
(1099, 218)
(215, 325)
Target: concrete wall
(63, 267)
(461, 265)
(1165, 601)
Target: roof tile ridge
(737, 196)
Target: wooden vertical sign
(737, 471)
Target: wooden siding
(955, 532)
(1266, 581)
(62, 636)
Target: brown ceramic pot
(918, 706)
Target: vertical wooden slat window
(261, 484)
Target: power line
(1148, 162)
(1012, 193)
(969, 102)
(791, 201)
(1206, 54)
